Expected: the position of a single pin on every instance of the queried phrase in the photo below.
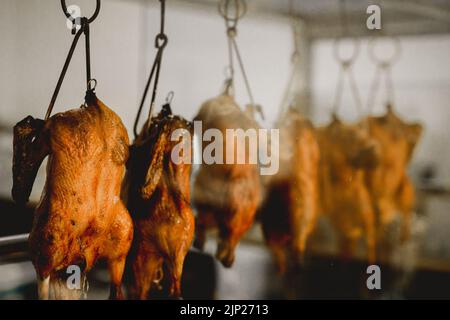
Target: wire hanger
(161, 41)
(345, 70)
(287, 101)
(231, 21)
(383, 70)
(83, 23)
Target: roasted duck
(390, 188)
(158, 187)
(225, 195)
(289, 210)
(346, 152)
(80, 218)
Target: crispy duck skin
(159, 201)
(80, 217)
(289, 210)
(226, 196)
(390, 188)
(346, 152)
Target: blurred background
(34, 41)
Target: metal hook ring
(161, 41)
(345, 61)
(390, 59)
(240, 10)
(69, 16)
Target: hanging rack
(83, 24)
(161, 41)
(345, 64)
(295, 58)
(383, 68)
(345, 70)
(231, 21)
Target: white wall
(35, 41)
(421, 80)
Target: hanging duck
(80, 218)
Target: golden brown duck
(225, 195)
(159, 200)
(390, 187)
(346, 151)
(80, 218)
(289, 210)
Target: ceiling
(324, 17)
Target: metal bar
(14, 248)
(9, 240)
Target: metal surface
(14, 248)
